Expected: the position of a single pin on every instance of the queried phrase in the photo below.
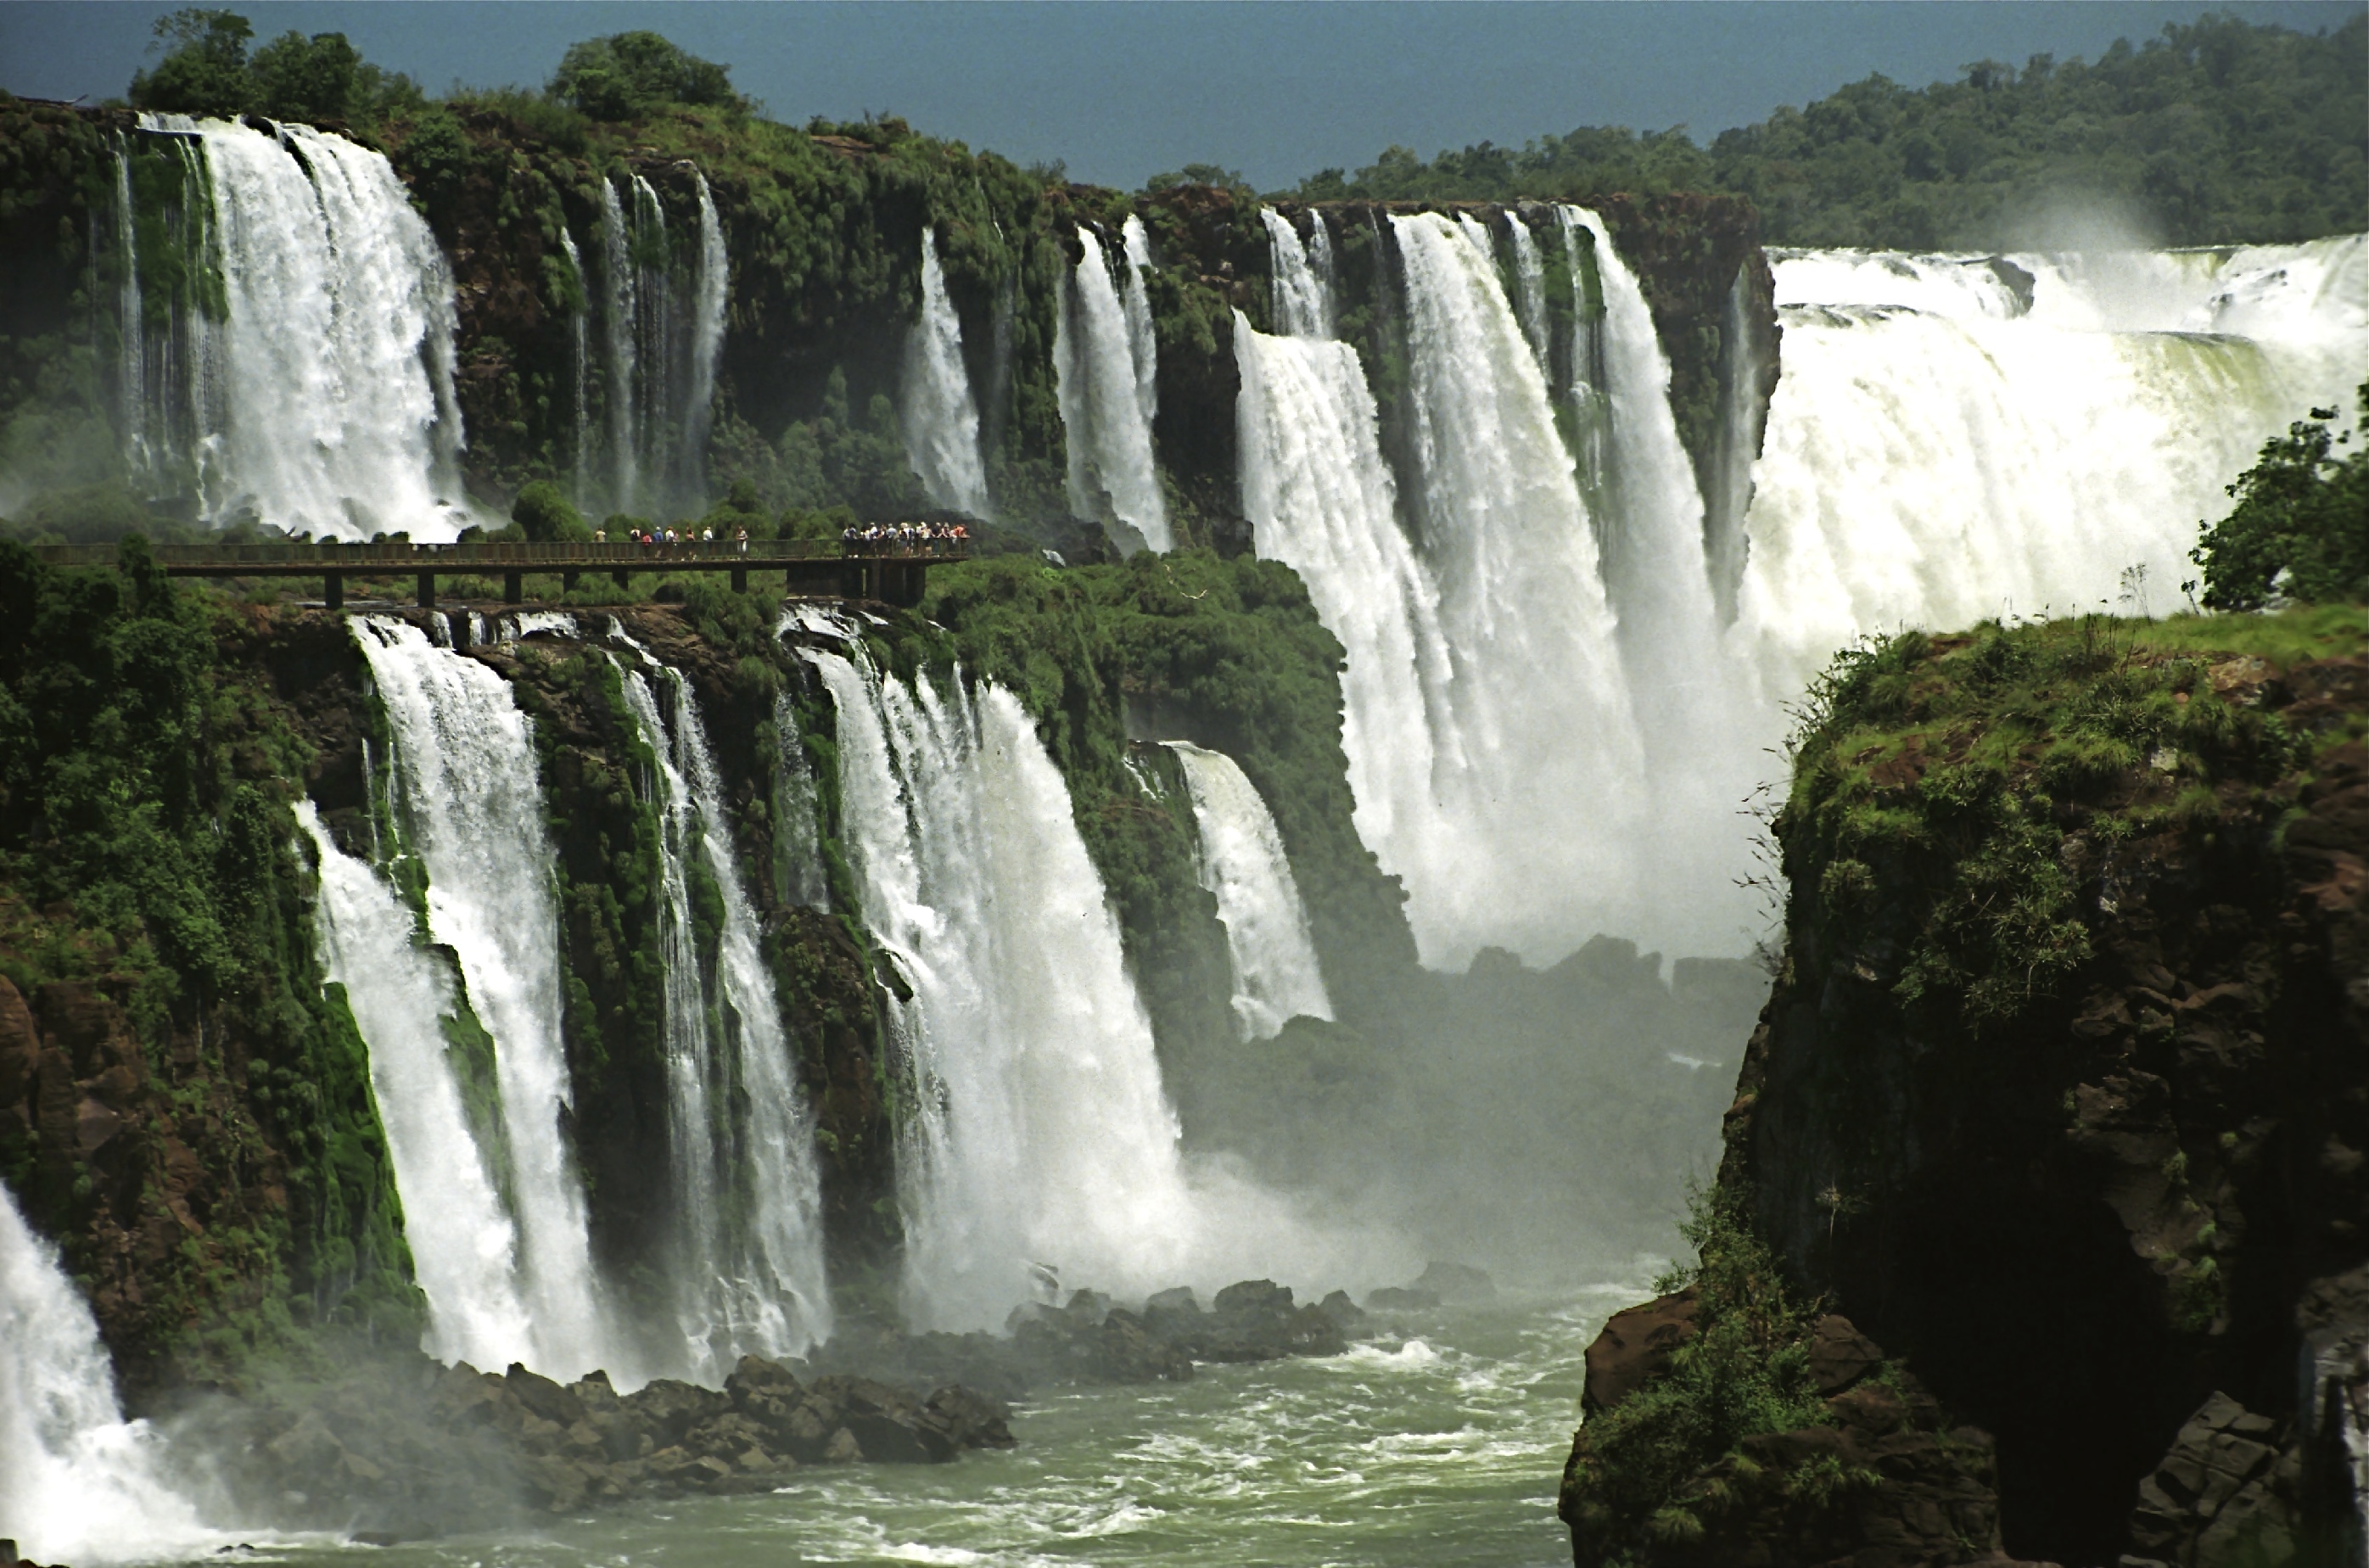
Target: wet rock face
(2086, 1226)
(1887, 1481)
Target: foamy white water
(472, 807)
(939, 416)
(746, 1193)
(620, 311)
(1041, 1135)
(77, 1482)
(464, 1244)
(1542, 792)
(2014, 461)
(1276, 976)
(1302, 301)
(337, 410)
(711, 287)
(1103, 381)
(1320, 499)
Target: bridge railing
(478, 555)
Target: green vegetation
(2218, 132)
(2300, 530)
(1653, 1469)
(147, 858)
(632, 75)
(1937, 781)
(206, 69)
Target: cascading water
(76, 1480)
(1276, 976)
(940, 417)
(464, 1243)
(131, 352)
(1531, 289)
(663, 329)
(712, 282)
(1040, 1137)
(579, 331)
(748, 1272)
(620, 311)
(1743, 423)
(798, 871)
(1142, 342)
(1321, 501)
(1537, 758)
(1103, 378)
(2021, 433)
(1302, 304)
(467, 794)
(339, 414)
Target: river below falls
(1436, 1445)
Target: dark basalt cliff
(2060, 1098)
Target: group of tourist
(675, 538)
(877, 538)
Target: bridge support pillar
(568, 579)
(427, 590)
(739, 579)
(621, 577)
(333, 590)
(514, 588)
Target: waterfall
(1103, 381)
(940, 417)
(746, 1193)
(1039, 1133)
(1530, 290)
(580, 365)
(1242, 862)
(663, 329)
(712, 283)
(1135, 247)
(1320, 499)
(1302, 301)
(464, 1244)
(1742, 420)
(339, 414)
(469, 800)
(76, 1480)
(1540, 786)
(621, 309)
(131, 352)
(2020, 434)
(800, 876)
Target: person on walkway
(741, 539)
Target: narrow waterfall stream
(937, 412)
(749, 1276)
(463, 1243)
(336, 354)
(1104, 368)
(77, 1482)
(466, 789)
(1276, 976)
(664, 300)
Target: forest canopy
(2218, 132)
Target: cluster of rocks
(1888, 1482)
(585, 1441)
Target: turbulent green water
(1437, 1446)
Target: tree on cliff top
(207, 69)
(628, 76)
(2300, 528)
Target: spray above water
(77, 1482)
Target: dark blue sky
(1121, 91)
